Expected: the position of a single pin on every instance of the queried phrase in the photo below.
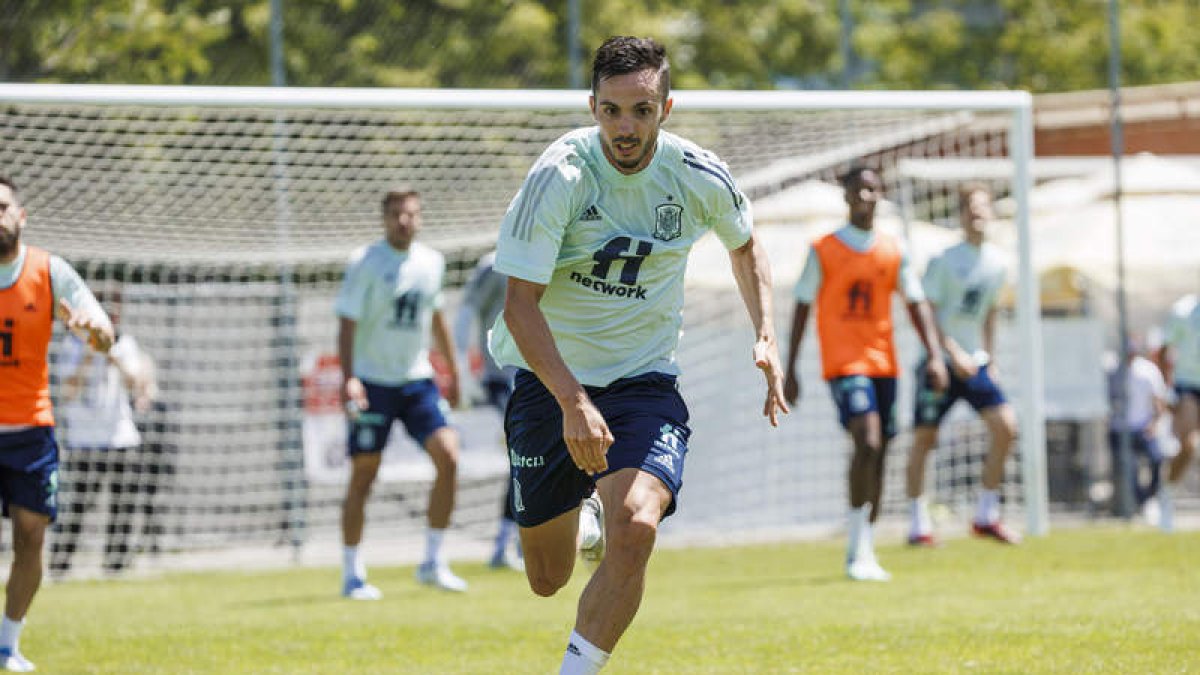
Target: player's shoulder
(701, 167)
(426, 254)
(567, 156)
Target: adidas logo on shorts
(666, 461)
(592, 213)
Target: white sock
(988, 511)
(859, 546)
(10, 634)
(919, 521)
(353, 566)
(507, 527)
(589, 529)
(582, 657)
(433, 545)
(1166, 517)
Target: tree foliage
(1040, 45)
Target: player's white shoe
(439, 575)
(591, 527)
(357, 589)
(867, 569)
(15, 662)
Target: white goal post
(225, 214)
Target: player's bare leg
(363, 469)
(1186, 424)
(1001, 422)
(920, 531)
(634, 504)
(442, 446)
(865, 475)
(29, 535)
(550, 551)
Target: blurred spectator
(1146, 398)
(102, 442)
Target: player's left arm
(752, 271)
(443, 339)
(77, 308)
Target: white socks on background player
(861, 544)
(433, 546)
(582, 657)
(10, 634)
(919, 521)
(353, 566)
(988, 510)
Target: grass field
(1095, 600)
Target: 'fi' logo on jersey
(668, 221)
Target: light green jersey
(612, 250)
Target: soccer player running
(851, 274)
(389, 304)
(1183, 344)
(963, 284)
(482, 302)
(34, 287)
(595, 246)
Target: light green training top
(612, 250)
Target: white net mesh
(226, 229)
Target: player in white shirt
(101, 392)
(482, 302)
(595, 245)
(1182, 340)
(388, 306)
(1146, 398)
(963, 284)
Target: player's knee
(545, 585)
(634, 534)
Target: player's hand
(587, 436)
(791, 388)
(354, 398)
(766, 358)
(964, 366)
(96, 335)
(936, 375)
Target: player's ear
(666, 111)
(592, 104)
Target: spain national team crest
(668, 221)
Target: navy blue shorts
(856, 395)
(647, 418)
(29, 470)
(418, 404)
(980, 391)
(1182, 390)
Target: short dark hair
(969, 188)
(621, 54)
(399, 195)
(855, 172)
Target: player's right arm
(584, 430)
(349, 307)
(805, 292)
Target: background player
(389, 304)
(851, 275)
(34, 286)
(482, 302)
(963, 284)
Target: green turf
(1096, 600)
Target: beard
(9, 243)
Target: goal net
(222, 219)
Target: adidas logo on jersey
(592, 213)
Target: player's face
(402, 221)
(12, 219)
(629, 109)
(862, 194)
(977, 213)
